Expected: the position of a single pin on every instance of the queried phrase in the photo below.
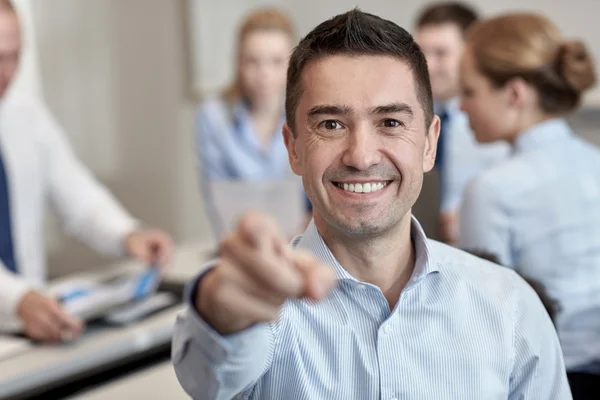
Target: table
(188, 260)
(157, 382)
(49, 366)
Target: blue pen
(76, 293)
(147, 282)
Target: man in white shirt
(440, 33)
(37, 165)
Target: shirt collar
(424, 264)
(542, 134)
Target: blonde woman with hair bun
(540, 209)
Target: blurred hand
(255, 274)
(150, 246)
(449, 227)
(44, 319)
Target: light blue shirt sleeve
(539, 371)
(484, 222)
(211, 366)
(211, 162)
(465, 159)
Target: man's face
(361, 144)
(443, 46)
(10, 48)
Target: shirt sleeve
(211, 366)
(12, 290)
(538, 367)
(211, 161)
(451, 188)
(484, 222)
(87, 209)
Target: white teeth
(362, 187)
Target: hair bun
(576, 65)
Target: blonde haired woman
(239, 132)
(540, 209)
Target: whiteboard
(213, 27)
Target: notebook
(284, 200)
(91, 300)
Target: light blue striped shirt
(463, 329)
(228, 147)
(539, 212)
(464, 157)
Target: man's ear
(290, 141)
(431, 140)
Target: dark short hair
(356, 33)
(456, 13)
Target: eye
(392, 123)
(330, 125)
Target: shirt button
(387, 330)
(362, 286)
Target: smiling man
(363, 305)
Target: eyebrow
(329, 110)
(391, 108)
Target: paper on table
(283, 200)
(89, 300)
(11, 346)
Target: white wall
(113, 73)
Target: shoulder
(213, 115)
(486, 278)
(502, 181)
(14, 108)
(27, 117)
(214, 106)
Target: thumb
(318, 279)
(142, 251)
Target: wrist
(201, 299)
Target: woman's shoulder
(211, 105)
(215, 113)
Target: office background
(122, 77)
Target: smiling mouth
(363, 187)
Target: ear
(519, 93)
(290, 143)
(431, 139)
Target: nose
(362, 150)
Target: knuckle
(227, 243)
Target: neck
(530, 120)
(386, 260)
